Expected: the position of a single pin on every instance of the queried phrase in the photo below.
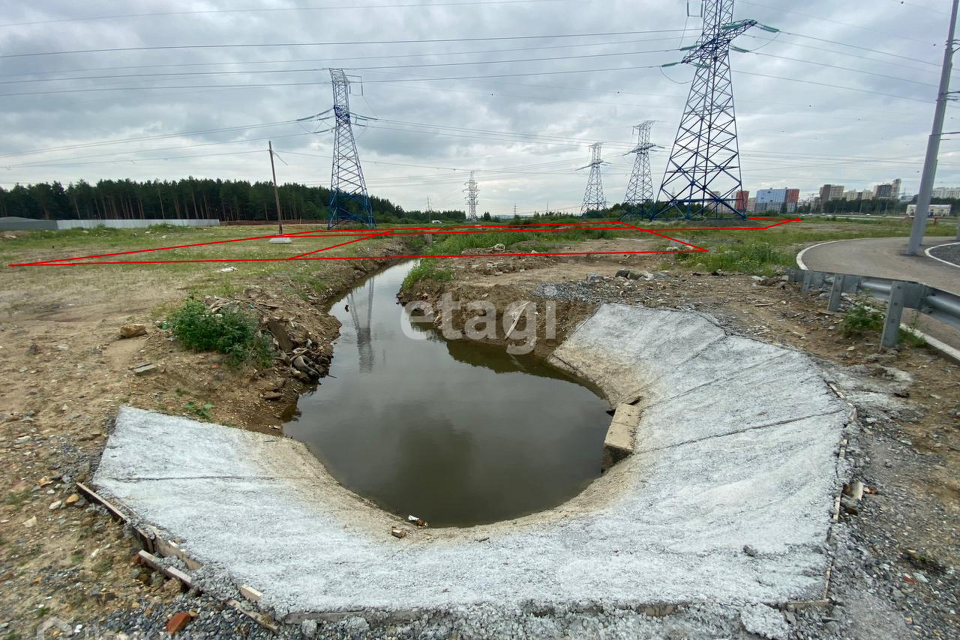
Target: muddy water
(455, 432)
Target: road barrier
(899, 294)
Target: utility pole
(276, 192)
(933, 143)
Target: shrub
(861, 319)
(231, 332)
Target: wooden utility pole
(276, 192)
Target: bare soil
(66, 371)
(907, 452)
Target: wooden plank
(153, 562)
(250, 593)
(145, 539)
(261, 619)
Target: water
(455, 432)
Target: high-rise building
(793, 198)
(830, 192)
(742, 198)
(946, 192)
(897, 184)
(777, 200)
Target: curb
(930, 255)
(943, 348)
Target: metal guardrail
(899, 294)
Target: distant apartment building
(777, 200)
(742, 198)
(830, 192)
(947, 193)
(751, 205)
(935, 210)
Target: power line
(157, 14)
(781, 10)
(184, 47)
(391, 56)
(832, 86)
(101, 143)
(317, 69)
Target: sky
(515, 90)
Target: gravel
(948, 252)
(665, 527)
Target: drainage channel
(458, 433)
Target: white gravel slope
(736, 446)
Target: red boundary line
(366, 235)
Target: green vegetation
(231, 332)
(860, 320)
(204, 411)
(16, 498)
(426, 269)
(759, 258)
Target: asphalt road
(884, 258)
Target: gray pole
(276, 193)
(933, 144)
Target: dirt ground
(897, 552)
(66, 370)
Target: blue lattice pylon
(346, 176)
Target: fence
(136, 224)
(899, 295)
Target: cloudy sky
(513, 89)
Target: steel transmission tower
(703, 173)
(472, 192)
(593, 196)
(346, 176)
(640, 187)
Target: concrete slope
(739, 450)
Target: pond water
(455, 432)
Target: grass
(860, 320)
(767, 251)
(231, 332)
(761, 258)
(204, 411)
(17, 498)
(426, 269)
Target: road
(883, 258)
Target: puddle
(455, 432)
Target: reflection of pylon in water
(364, 338)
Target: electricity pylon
(640, 188)
(346, 176)
(472, 192)
(593, 196)
(703, 173)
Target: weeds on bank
(204, 411)
(231, 332)
(861, 319)
(760, 258)
(426, 269)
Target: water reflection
(455, 432)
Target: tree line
(226, 200)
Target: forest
(227, 200)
